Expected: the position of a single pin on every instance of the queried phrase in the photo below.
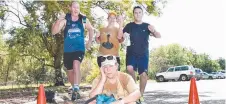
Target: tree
(33, 38)
(221, 62)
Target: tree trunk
(7, 74)
(57, 62)
(58, 73)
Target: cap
(108, 60)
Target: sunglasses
(102, 59)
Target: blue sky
(199, 24)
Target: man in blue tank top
(137, 55)
(74, 25)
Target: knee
(144, 75)
(130, 68)
(76, 64)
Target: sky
(196, 24)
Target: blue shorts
(139, 63)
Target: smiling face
(75, 8)
(138, 14)
(111, 19)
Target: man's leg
(130, 62)
(76, 72)
(70, 74)
(143, 82)
(68, 63)
(131, 71)
(143, 72)
(78, 57)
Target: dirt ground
(28, 95)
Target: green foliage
(221, 62)
(31, 43)
(175, 55)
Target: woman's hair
(74, 2)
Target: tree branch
(31, 56)
(17, 17)
(49, 65)
(16, 10)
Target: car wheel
(210, 77)
(161, 78)
(183, 78)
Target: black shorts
(99, 62)
(69, 57)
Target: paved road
(210, 92)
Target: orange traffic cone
(193, 95)
(41, 95)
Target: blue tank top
(74, 35)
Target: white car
(182, 73)
(205, 75)
(219, 75)
(223, 72)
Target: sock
(75, 87)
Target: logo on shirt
(74, 32)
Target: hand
(103, 75)
(98, 34)
(120, 36)
(62, 15)
(151, 28)
(120, 20)
(88, 45)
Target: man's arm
(155, 33)
(98, 89)
(58, 25)
(120, 29)
(133, 90)
(97, 38)
(90, 29)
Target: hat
(108, 60)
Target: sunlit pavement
(210, 92)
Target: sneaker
(75, 94)
(141, 101)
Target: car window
(177, 69)
(197, 71)
(170, 69)
(183, 68)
